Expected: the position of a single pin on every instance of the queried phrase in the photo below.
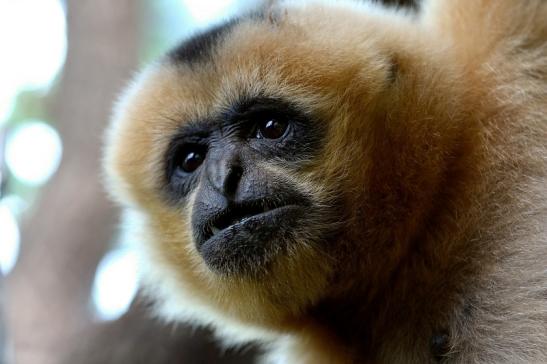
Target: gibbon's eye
(272, 128)
(190, 159)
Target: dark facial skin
(244, 214)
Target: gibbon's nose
(225, 172)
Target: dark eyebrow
(194, 130)
(200, 46)
(259, 104)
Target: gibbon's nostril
(233, 177)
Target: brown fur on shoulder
(432, 169)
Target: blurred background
(68, 289)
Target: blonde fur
(436, 148)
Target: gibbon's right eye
(190, 158)
(272, 128)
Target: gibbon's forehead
(299, 54)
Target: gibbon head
(279, 159)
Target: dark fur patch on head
(414, 4)
(200, 46)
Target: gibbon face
(267, 162)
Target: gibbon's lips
(228, 220)
(244, 236)
(248, 217)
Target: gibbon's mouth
(239, 215)
(246, 235)
(246, 216)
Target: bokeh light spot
(33, 152)
(7, 103)
(33, 43)
(205, 12)
(115, 284)
(9, 239)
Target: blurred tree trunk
(72, 226)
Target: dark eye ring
(190, 159)
(272, 128)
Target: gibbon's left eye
(272, 128)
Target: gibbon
(347, 183)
